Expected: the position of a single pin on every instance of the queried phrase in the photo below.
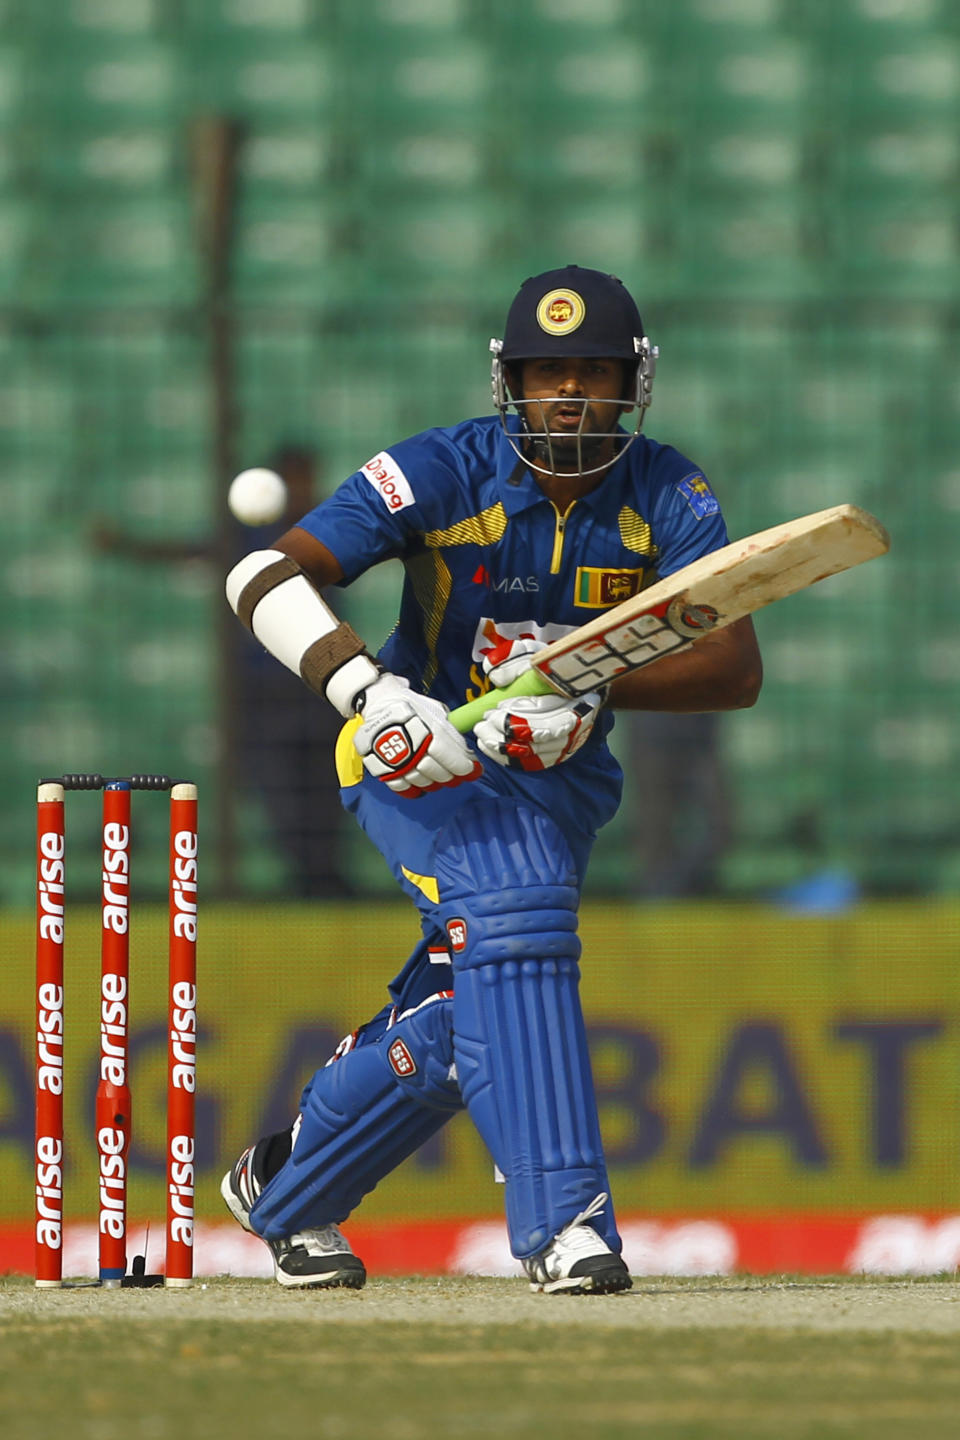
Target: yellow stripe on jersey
(432, 584)
(484, 529)
(635, 532)
(426, 883)
(430, 574)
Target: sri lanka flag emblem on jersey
(596, 589)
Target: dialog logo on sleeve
(402, 1062)
(389, 481)
(699, 496)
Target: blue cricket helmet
(572, 312)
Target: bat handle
(531, 682)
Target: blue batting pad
(508, 898)
(361, 1116)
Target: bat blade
(713, 592)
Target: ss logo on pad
(401, 1061)
(457, 935)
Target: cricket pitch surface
(686, 1359)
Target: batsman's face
(574, 398)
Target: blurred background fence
(777, 180)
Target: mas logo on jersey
(598, 589)
(389, 481)
(699, 496)
(560, 312)
(402, 1062)
(457, 935)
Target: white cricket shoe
(320, 1257)
(578, 1261)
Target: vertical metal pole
(113, 1091)
(216, 142)
(182, 1036)
(48, 1159)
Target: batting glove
(509, 659)
(534, 732)
(407, 741)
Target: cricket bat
(676, 612)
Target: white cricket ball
(257, 497)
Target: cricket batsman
(513, 530)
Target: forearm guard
(281, 606)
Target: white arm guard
(276, 600)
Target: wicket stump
(113, 1101)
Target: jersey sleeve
(378, 511)
(687, 519)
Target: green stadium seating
(14, 77)
(900, 80)
(566, 19)
(757, 250)
(217, 20)
(16, 233)
(413, 79)
(704, 22)
(114, 80)
(287, 160)
(421, 161)
(122, 161)
(912, 247)
(438, 241)
(291, 250)
(127, 251)
(259, 78)
(776, 181)
(757, 78)
(899, 164)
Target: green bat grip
(531, 682)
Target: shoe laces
(327, 1240)
(577, 1235)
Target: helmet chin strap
(533, 446)
(553, 447)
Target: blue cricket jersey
(487, 555)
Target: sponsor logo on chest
(516, 584)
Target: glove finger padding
(407, 741)
(537, 731)
(509, 659)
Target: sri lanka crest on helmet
(560, 312)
